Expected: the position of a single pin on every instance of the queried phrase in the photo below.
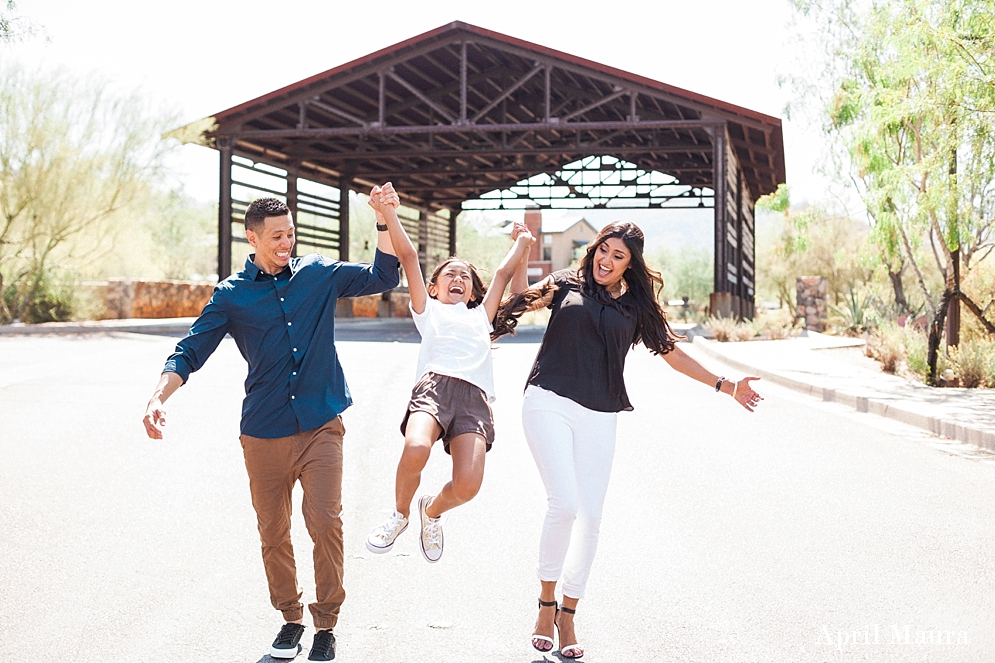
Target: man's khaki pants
(314, 458)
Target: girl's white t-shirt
(455, 341)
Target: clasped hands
(382, 196)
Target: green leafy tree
(809, 242)
(73, 161)
(909, 92)
(184, 236)
(13, 27)
(687, 273)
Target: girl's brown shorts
(458, 406)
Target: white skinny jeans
(573, 448)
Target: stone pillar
(812, 293)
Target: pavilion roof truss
(464, 114)
(460, 112)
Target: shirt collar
(252, 270)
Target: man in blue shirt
(281, 313)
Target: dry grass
(887, 345)
(723, 329)
(730, 329)
(776, 324)
(973, 362)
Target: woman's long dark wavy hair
(645, 285)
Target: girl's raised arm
(520, 281)
(518, 254)
(384, 201)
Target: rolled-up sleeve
(357, 279)
(201, 341)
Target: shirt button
(292, 397)
(281, 299)
(289, 324)
(295, 349)
(295, 372)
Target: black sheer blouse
(582, 356)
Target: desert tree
(73, 157)
(908, 91)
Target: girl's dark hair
(514, 306)
(645, 285)
(477, 287)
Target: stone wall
(138, 298)
(812, 294)
(393, 304)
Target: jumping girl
(574, 391)
(455, 384)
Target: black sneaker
(286, 643)
(323, 648)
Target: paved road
(727, 536)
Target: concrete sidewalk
(834, 369)
(158, 327)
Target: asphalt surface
(803, 532)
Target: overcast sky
(202, 56)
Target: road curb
(950, 428)
(164, 326)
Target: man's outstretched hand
(155, 413)
(155, 419)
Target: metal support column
(740, 285)
(345, 186)
(423, 241)
(292, 172)
(453, 213)
(224, 209)
(719, 182)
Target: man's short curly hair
(258, 210)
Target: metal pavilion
(463, 116)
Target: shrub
(974, 363)
(855, 314)
(730, 329)
(723, 329)
(887, 345)
(916, 352)
(744, 331)
(775, 324)
(48, 298)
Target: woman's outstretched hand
(745, 395)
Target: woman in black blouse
(575, 390)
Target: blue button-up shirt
(284, 326)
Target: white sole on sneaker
(377, 550)
(285, 654)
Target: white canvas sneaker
(430, 540)
(382, 538)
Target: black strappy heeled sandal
(569, 651)
(544, 638)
